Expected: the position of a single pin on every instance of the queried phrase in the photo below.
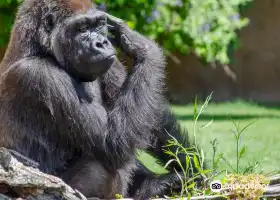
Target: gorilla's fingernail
(110, 26)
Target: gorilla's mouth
(113, 56)
(107, 61)
(99, 59)
(100, 66)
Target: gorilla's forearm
(112, 82)
(141, 96)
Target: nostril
(99, 45)
(105, 42)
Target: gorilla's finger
(114, 21)
(113, 35)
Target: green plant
(188, 180)
(238, 134)
(251, 167)
(216, 159)
(195, 160)
(240, 151)
(194, 169)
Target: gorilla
(69, 104)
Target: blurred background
(228, 47)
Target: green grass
(262, 138)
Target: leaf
(191, 185)
(168, 163)
(170, 153)
(207, 191)
(187, 163)
(208, 124)
(206, 171)
(202, 156)
(247, 126)
(242, 151)
(228, 163)
(195, 108)
(196, 162)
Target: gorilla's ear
(49, 22)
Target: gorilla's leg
(92, 179)
(146, 184)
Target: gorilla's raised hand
(131, 42)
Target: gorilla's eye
(83, 28)
(49, 22)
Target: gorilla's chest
(89, 93)
(90, 96)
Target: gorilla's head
(72, 32)
(80, 44)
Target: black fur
(76, 120)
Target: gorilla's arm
(151, 67)
(112, 82)
(141, 96)
(169, 125)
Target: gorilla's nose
(100, 44)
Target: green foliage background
(205, 27)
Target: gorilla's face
(81, 46)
